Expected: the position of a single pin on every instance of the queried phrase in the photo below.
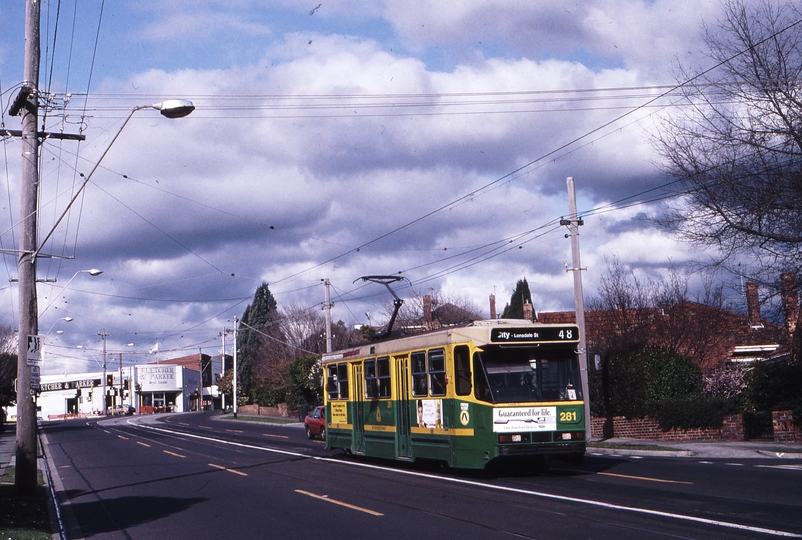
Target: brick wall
(257, 410)
(649, 429)
(784, 428)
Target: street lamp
(25, 477)
(65, 319)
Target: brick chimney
(492, 306)
(528, 311)
(427, 311)
(753, 304)
(790, 301)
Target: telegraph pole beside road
(234, 380)
(103, 335)
(327, 305)
(573, 224)
(28, 102)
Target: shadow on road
(111, 515)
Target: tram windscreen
(523, 375)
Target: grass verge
(23, 518)
(264, 419)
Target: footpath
(709, 450)
(7, 441)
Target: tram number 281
(568, 416)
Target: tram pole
(236, 343)
(576, 267)
(327, 308)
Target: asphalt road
(197, 476)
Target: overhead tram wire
(312, 102)
(198, 203)
(476, 192)
(165, 233)
(51, 57)
(9, 206)
(83, 112)
(669, 91)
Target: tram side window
(420, 386)
(383, 373)
(342, 380)
(437, 372)
(371, 381)
(462, 366)
(331, 381)
(481, 389)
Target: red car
(315, 423)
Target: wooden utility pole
(573, 223)
(28, 103)
(327, 305)
(236, 343)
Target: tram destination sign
(528, 334)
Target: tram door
(359, 409)
(402, 418)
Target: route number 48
(566, 334)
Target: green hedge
(690, 413)
(634, 380)
(774, 387)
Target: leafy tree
(521, 295)
(258, 326)
(305, 384)
(226, 386)
(8, 372)
(736, 145)
(773, 387)
(8, 366)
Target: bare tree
(446, 309)
(735, 144)
(303, 327)
(631, 313)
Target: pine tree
(260, 317)
(515, 308)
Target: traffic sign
(34, 350)
(35, 377)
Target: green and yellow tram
(465, 396)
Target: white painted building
(148, 388)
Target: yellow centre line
(143, 444)
(341, 503)
(183, 424)
(276, 436)
(205, 427)
(123, 438)
(227, 469)
(173, 454)
(234, 430)
(645, 478)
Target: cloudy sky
(334, 139)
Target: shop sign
(157, 378)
